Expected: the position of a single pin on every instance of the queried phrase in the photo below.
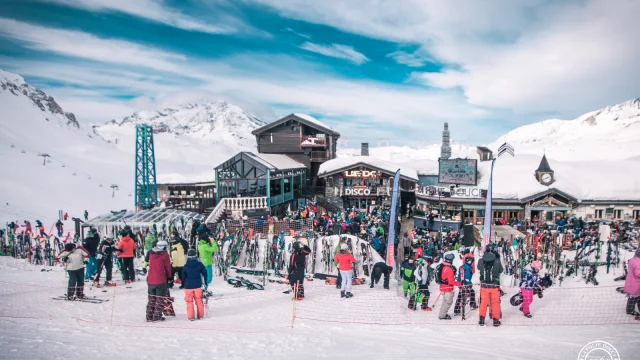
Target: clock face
(546, 178)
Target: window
(294, 128)
(598, 214)
(479, 213)
(513, 215)
(262, 188)
(242, 187)
(468, 214)
(498, 214)
(287, 185)
(636, 214)
(617, 214)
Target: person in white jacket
(74, 259)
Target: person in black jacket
(104, 256)
(91, 244)
(378, 269)
(297, 265)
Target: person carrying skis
(126, 248)
(179, 248)
(191, 276)
(206, 248)
(528, 284)
(490, 269)
(74, 259)
(297, 265)
(632, 286)
(106, 250)
(407, 270)
(157, 278)
(419, 290)
(447, 284)
(465, 273)
(344, 260)
(378, 269)
(91, 244)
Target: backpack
(487, 276)
(438, 274)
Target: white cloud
(153, 10)
(415, 59)
(83, 45)
(306, 36)
(534, 56)
(336, 51)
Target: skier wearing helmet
(490, 269)
(527, 286)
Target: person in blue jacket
(465, 273)
(192, 275)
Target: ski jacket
(127, 245)
(376, 243)
(193, 273)
(206, 250)
(490, 259)
(179, 249)
(632, 282)
(75, 258)
(159, 267)
(91, 244)
(384, 268)
(449, 277)
(406, 241)
(148, 241)
(344, 261)
(106, 249)
(422, 274)
(465, 273)
(529, 280)
(298, 260)
(408, 271)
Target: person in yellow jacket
(179, 248)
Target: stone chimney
(364, 149)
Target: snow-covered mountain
(190, 139)
(612, 133)
(76, 175)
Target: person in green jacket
(407, 270)
(149, 241)
(206, 248)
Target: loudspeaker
(469, 239)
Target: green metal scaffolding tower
(146, 186)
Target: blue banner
(488, 211)
(393, 218)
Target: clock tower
(544, 174)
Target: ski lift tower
(146, 186)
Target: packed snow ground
(243, 324)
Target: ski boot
(481, 321)
(109, 283)
(528, 316)
(426, 308)
(496, 322)
(342, 294)
(96, 284)
(348, 295)
(81, 296)
(446, 317)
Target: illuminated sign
(361, 174)
(362, 191)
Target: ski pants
(465, 294)
(106, 263)
(447, 301)
(209, 275)
(377, 274)
(76, 282)
(405, 287)
(633, 302)
(297, 278)
(128, 272)
(156, 301)
(174, 271)
(490, 295)
(91, 268)
(191, 295)
(347, 277)
(419, 295)
(527, 299)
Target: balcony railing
(314, 140)
(319, 155)
(247, 203)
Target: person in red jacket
(126, 250)
(447, 286)
(157, 277)
(344, 260)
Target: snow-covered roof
(276, 161)
(303, 118)
(311, 119)
(513, 178)
(342, 163)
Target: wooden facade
(297, 136)
(195, 197)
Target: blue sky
(375, 70)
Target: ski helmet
(162, 244)
(192, 253)
(469, 259)
(69, 247)
(296, 245)
(449, 258)
(536, 265)
(420, 261)
(344, 247)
